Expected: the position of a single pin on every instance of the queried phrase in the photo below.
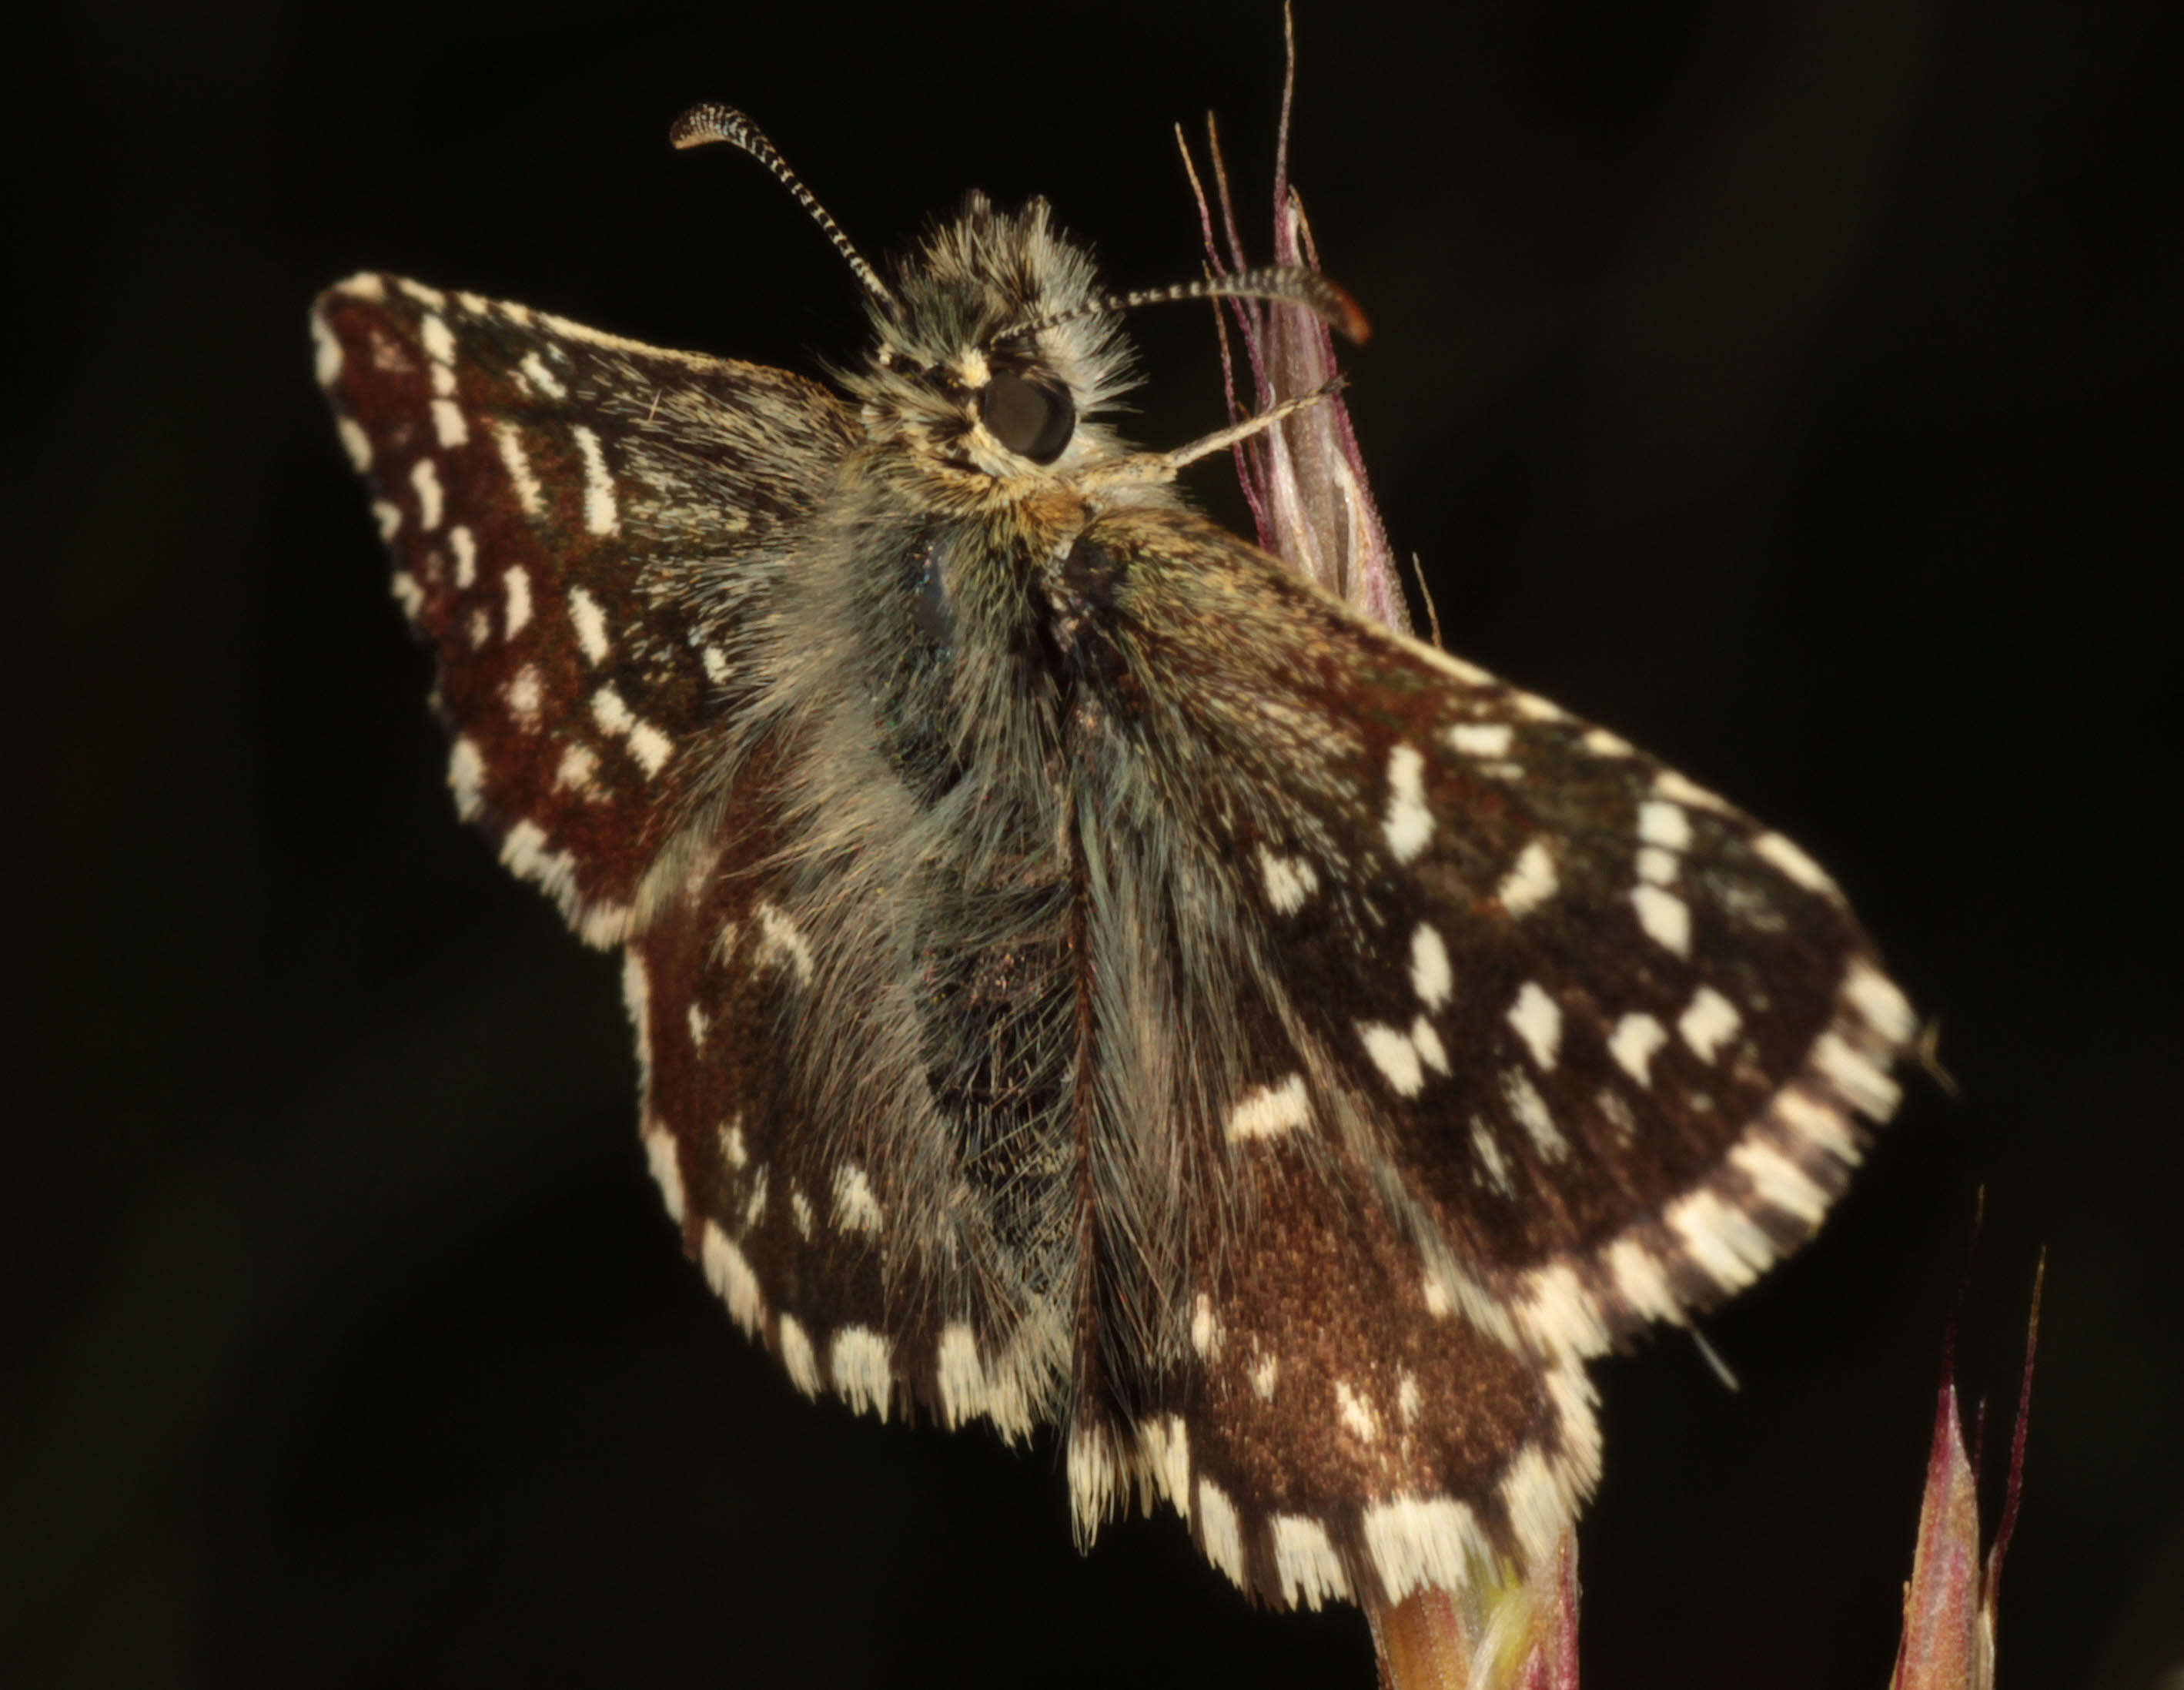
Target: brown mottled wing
(591, 535)
(1553, 1043)
(831, 1239)
(583, 531)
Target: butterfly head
(986, 347)
(996, 346)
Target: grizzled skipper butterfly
(1085, 975)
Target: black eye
(1033, 419)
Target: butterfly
(1083, 975)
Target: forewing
(584, 531)
(590, 535)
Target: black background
(1787, 386)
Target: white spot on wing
(1165, 1443)
(666, 1171)
(432, 329)
(647, 743)
(464, 547)
(448, 428)
(1818, 1124)
(1094, 1478)
(1537, 1508)
(1355, 1413)
(425, 480)
(1873, 996)
(637, 999)
(732, 1280)
(1780, 1182)
(1417, 1542)
(591, 624)
(1863, 1082)
(855, 1209)
(326, 351)
(796, 1354)
(965, 1391)
(1469, 673)
(1664, 824)
(1205, 1327)
(466, 777)
(650, 746)
(524, 694)
(1220, 1533)
(1490, 1157)
(516, 582)
(1530, 881)
(1266, 1111)
(1666, 917)
(1480, 738)
(1635, 1042)
(526, 852)
(1560, 1313)
(600, 516)
(528, 493)
(1533, 1114)
(579, 769)
(355, 441)
(1289, 880)
(1305, 1565)
(1396, 1056)
(1641, 1281)
(1427, 1042)
(407, 593)
(780, 940)
(1669, 784)
(799, 1212)
(1431, 976)
(388, 516)
(1723, 1241)
(1709, 1023)
(862, 1365)
(1264, 1373)
(1793, 862)
(1409, 823)
(543, 379)
(1538, 1019)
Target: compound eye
(1033, 419)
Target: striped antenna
(702, 125)
(1324, 298)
